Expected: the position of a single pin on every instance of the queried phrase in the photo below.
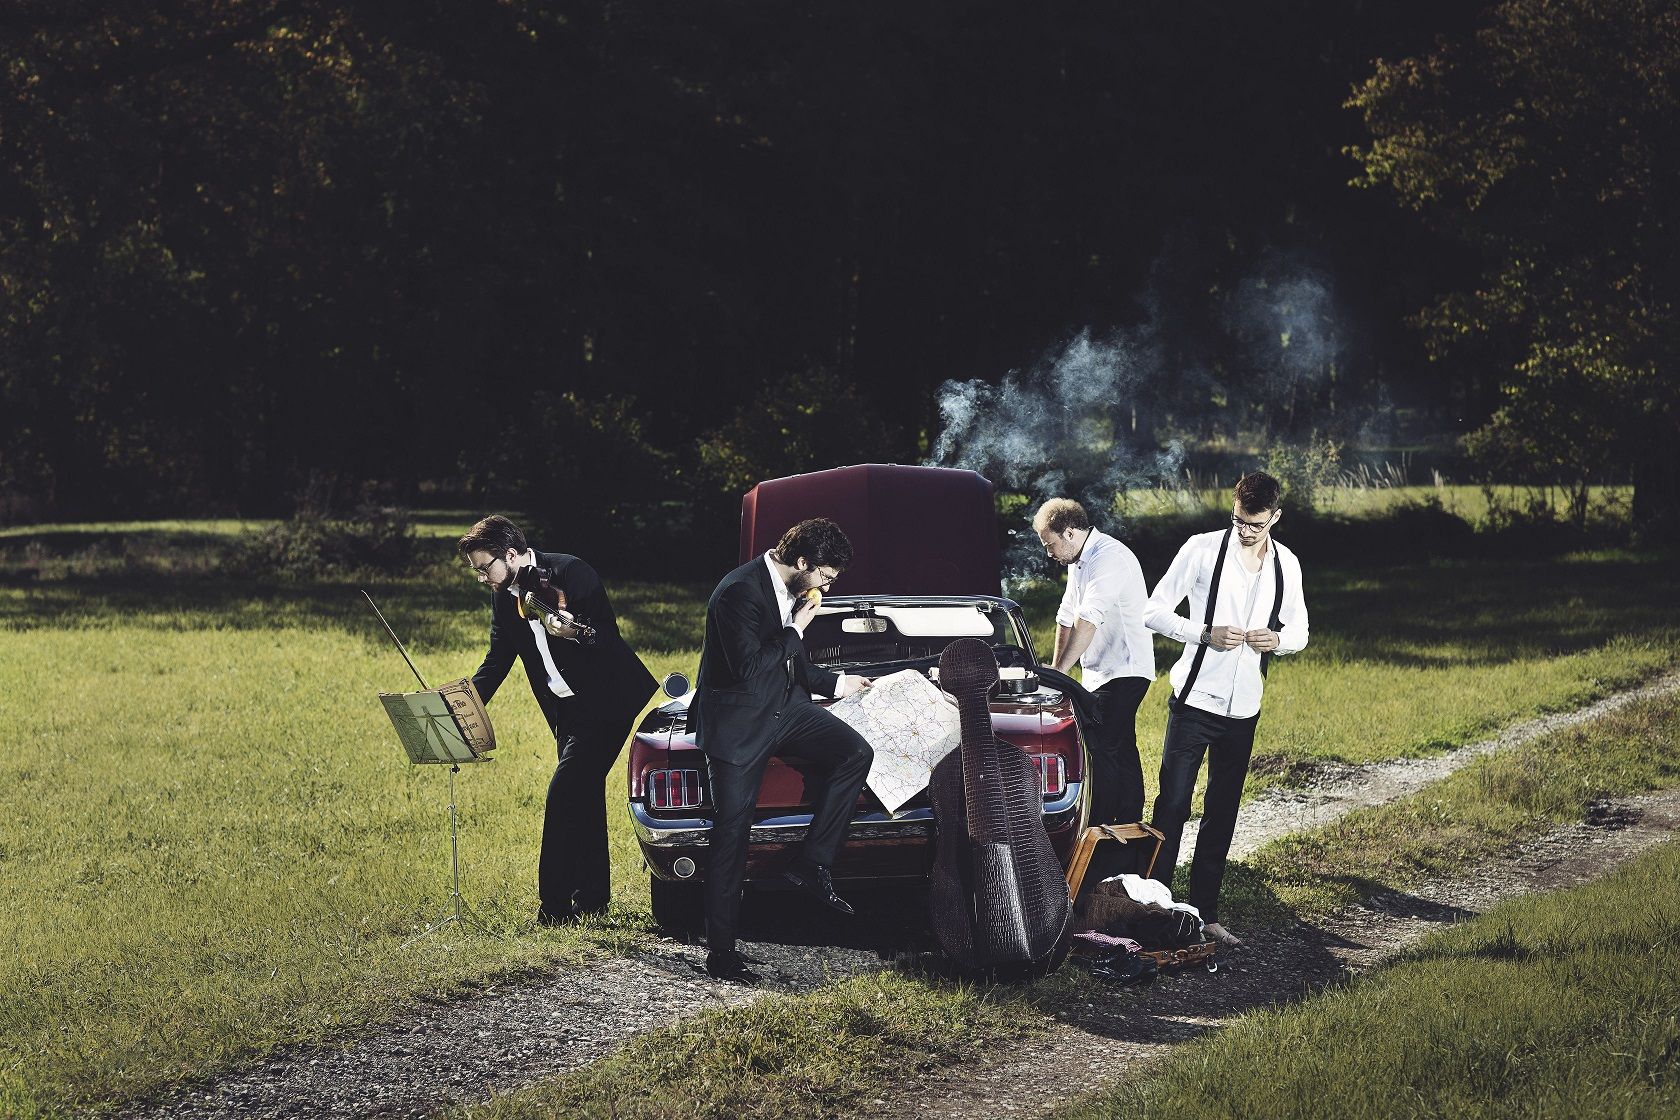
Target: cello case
(997, 893)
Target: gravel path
(510, 1035)
(1128, 1028)
(1337, 789)
(467, 1050)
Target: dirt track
(515, 1033)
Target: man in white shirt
(1099, 626)
(1257, 611)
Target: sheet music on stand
(442, 725)
(446, 725)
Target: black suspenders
(1274, 624)
(1213, 599)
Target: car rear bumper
(877, 845)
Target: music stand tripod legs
(460, 913)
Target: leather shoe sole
(814, 889)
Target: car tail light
(1052, 774)
(673, 789)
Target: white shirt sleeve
(1292, 638)
(1160, 613)
(1065, 612)
(1115, 585)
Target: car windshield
(890, 636)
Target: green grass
(788, 1058)
(1555, 1005)
(1462, 819)
(1470, 503)
(1409, 661)
(820, 1054)
(216, 846)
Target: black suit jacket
(609, 681)
(751, 668)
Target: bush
(313, 543)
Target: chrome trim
(691, 832)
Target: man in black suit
(589, 693)
(752, 701)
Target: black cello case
(997, 894)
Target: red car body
(914, 530)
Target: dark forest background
(611, 262)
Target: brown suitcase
(1150, 841)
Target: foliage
(241, 240)
(1305, 469)
(315, 543)
(804, 422)
(1543, 142)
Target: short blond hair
(1059, 515)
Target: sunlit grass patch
(1553, 1005)
(213, 843)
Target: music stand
(449, 726)
(460, 912)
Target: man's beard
(803, 582)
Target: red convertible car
(907, 605)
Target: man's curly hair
(819, 542)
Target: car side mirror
(675, 685)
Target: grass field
(217, 845)
(1559, 1005)
(1571, 995)
(1474, 504)
(1454, 823)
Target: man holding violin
(551, 611)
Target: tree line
(606, 259)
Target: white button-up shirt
(1105, 587)
(1229, 683)
(784, 597)
(556, 683)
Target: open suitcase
(1109, 849)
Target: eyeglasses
(484, 568)
(827, 578)
(1252, 526)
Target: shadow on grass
(1491, 612)
(428, 610)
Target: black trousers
(1116, 774)
(574, 870)
(806, 732)
(1228, 743)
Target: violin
(538, 598)
(997, 894)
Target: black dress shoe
(730, 967)
(554, 918)
(815, 881)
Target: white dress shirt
(1229, 683)
(556, 683)
(1105, 587)
(784, 597)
